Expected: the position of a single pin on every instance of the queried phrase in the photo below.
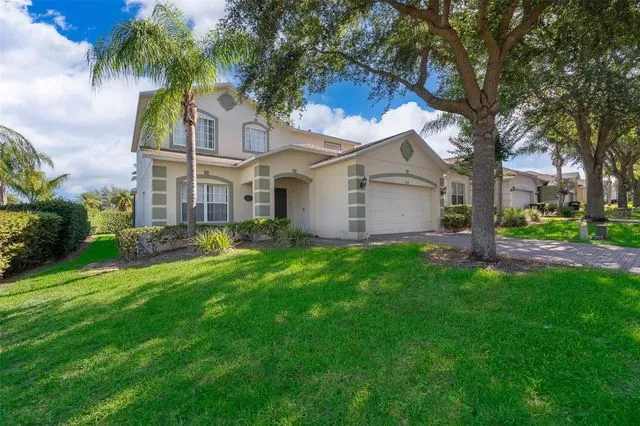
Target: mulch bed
(457, 257)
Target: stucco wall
(457, 178)
(331, 211)
(143, 188)
(230, 130)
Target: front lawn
(620, 234)
(319, 335)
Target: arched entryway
(291, 199)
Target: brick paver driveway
(580, 254)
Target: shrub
(456, 222)
(292, 237)
(463, 209)
(567, 212)
(109, 221)
(512, 218)
(136, 242)
(551, 209)
(214, 241)
(74, 228)
(533, 214)
(27, 239)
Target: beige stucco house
(248, 168)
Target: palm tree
(165, 50)
(35, 186)
(121, 199)
(16, 154)
(91, 200)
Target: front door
(280, 195)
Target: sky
(45, 92)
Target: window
(457, 193)
(212, 203)
(334, 146)
(205, 134)
(255, 139)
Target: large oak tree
(393, 45)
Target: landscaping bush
(109, 221)
(27, 239)
(292, 237)
(551, 209)
(214, 241)
(456, 222)
(533, 215)
(567, 212)
(74, 228)
(463, 209)
(512, 218)
(136, 242)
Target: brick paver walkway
(580, 254)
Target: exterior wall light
(363, 182)
(443, 190)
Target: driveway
(578, 254)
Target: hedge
(27, 239)
(74, 228)
(136, 242)
(109, 221)
(457, 217)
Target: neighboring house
(248, 169)
(519, 189)
(548, 191)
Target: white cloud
(46, 95)
(204, 14)
(335, 122)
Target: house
(249, 168)
(519, 189)
(548, 190)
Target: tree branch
(463, 63)
(529, 18)
(448, 105)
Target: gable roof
(380, 143)
(231, 88)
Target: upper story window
(205, 134)
(332, 145)
(457, 193)
(255, 138)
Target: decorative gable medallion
(406, 150)
(227, 101)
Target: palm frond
(138, 48)
(22, 151)
(440, 123)
(160, 115)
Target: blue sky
(89, 20)
(45, 92)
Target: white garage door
(521, 199)
(398, 208)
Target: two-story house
(248, 168)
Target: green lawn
(620, 234)
(320, 335)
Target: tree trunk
(636, 192)
(499, 183)
(3, 194)
(190, 118)
(560, 184)
(623, 200)
(483, 239)
(595, 192)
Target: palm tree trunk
(499, 182)
(3, 194)
(190, 118)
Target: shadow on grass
(322, 335)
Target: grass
(620, 234)
(320, 335)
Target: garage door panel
(393, 208)
(520, 198)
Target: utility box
(584, 231)
(602, 231)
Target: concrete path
(578, 254)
